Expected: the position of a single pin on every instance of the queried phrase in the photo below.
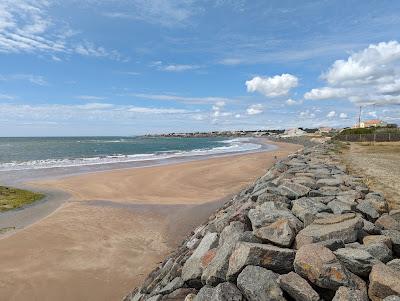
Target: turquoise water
(38, 153)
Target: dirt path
(380, 165)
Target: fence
(375, 137)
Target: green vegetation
(11, 198)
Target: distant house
(372, 123)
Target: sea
(45, 155)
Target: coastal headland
(118, 225)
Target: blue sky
(119, 67)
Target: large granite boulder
(345, 227)
(193, 267)
(384, 281)
(297, 287)
(320, 266)
(226, 292)
(304, 206)
(358, 261)
(293, 190)
(277, 259)
(349, 294)
(259, 284)
(279, 233)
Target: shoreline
(129, 218)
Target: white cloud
(27, 27)
(179, 68)
(277, 85)
(307, 114)
(34, 79)
(325, 93)
(331, 114)
(90, 97)
(370, 76)
(6, 97)
(95, 106)
(343, 115)
(292, 102)
(372, 114)
(183, 99)
(254, 109)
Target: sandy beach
(117, 225)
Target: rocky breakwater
(306, 230)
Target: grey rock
(193, 268)
(277, 259)
(190, 297)
(259, 284)
(368, 210)
(215, 272)
(395, 264)
(370, 228)
(392, 298)
(373, 239)
(269, 212)
(358, 261)
(226, 292)
(395, 214)
(297, 287)
(386, 222)
(304, 206)
(155, 298)
(379, 251)
(329, 182)
(395, 238)
(320, 266)
(178, 295)
(339, 207)
(378, 201)
(332, 244)
(349, 294)
(171, 286)
(279, 233)
(293, 190)
(383, 282)
(205, 293)
(344, 227)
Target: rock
(259, 284)
(329, 182)
(332, 244)
(304, 206)
(155, 298)
(383, 282)
(378, 201)
(395, 214)
(344, 227)
(279, 233)
(368, 210)
(379, 251)
(395, 238)
(293, 190)
(216, 270)
(386, 222)
(297, 287)
(370, 228)
(392, 298)
(339, 207)
(395, 264)
(269, 212)
(358, 261)
(205, 293)
(373, 239)
(172, 286)
(179, 294)
(273, 258)
(271, 197)
(193, 268)
(320, 266)
(226, 292)
(190, 297)
(348, 294)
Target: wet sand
(117, 225)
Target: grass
(12, 198)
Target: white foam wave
(234, 145)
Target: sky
(129, 67)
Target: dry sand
(118, 225)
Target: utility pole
(359, 118)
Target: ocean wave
(233, 146)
